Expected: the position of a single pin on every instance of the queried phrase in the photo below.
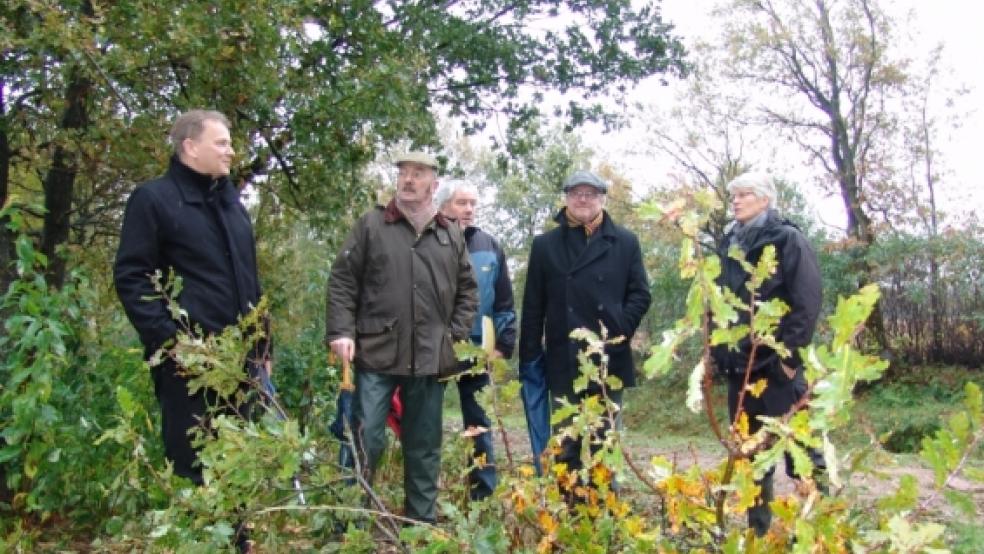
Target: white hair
(447, 189)
(761, 184)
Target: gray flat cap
(584, 177)
(417, 157)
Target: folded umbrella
(343, 416)
(536, 404)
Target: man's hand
(344, 348)
(495, 355)
(790, 372)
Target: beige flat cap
(417, 157)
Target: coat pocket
(777, 374)
(448, 361)
(376, 344)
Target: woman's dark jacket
(796, 281)
(606, 282)
(196, 226)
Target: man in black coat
(586, 272)
(797, 283)
(189, 221)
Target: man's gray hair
(761, 184)
(447, 189)
(190, 125)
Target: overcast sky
(954, 23)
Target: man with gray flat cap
(586, 272)
(401, 293)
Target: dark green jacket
(405, 299)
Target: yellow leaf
(519, 501)
(601, 475)
(741, 426)
(616, 507)
(757, 387)
(547, 522)
(634, 526)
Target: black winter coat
(196, 226)
(796, 281)
(607, 282)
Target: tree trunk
(6, 235)
(845, 159)
(6, 251)
(59, 183)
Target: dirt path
(866, 485)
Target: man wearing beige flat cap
(401, 293)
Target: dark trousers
(570, 449)
(779, 396)
(182, 412)
(420, 435)
(481, 480)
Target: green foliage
(924, 328)
(56, 395)
(253, 467)
(316, 91)
(832, 373)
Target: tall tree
(922, 130)
(828, 78)
(315, 90)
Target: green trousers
(420, 434)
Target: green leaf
(729, 335)
(962, 501)
(851, 313)
(904, 498)
(9, 452)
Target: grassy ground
(899, 414)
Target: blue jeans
(481, 481)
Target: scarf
(590, 227)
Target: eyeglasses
(583, 194)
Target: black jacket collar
(767, 233)
(194, 187)
(607, 227)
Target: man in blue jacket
(458, 200)
(585, 272)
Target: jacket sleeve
(503, 310)
(637, 295)
(466, 296)
(534, 307)
(345, 285)
(137, 258)
(801, 274)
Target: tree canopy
(315, 90)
